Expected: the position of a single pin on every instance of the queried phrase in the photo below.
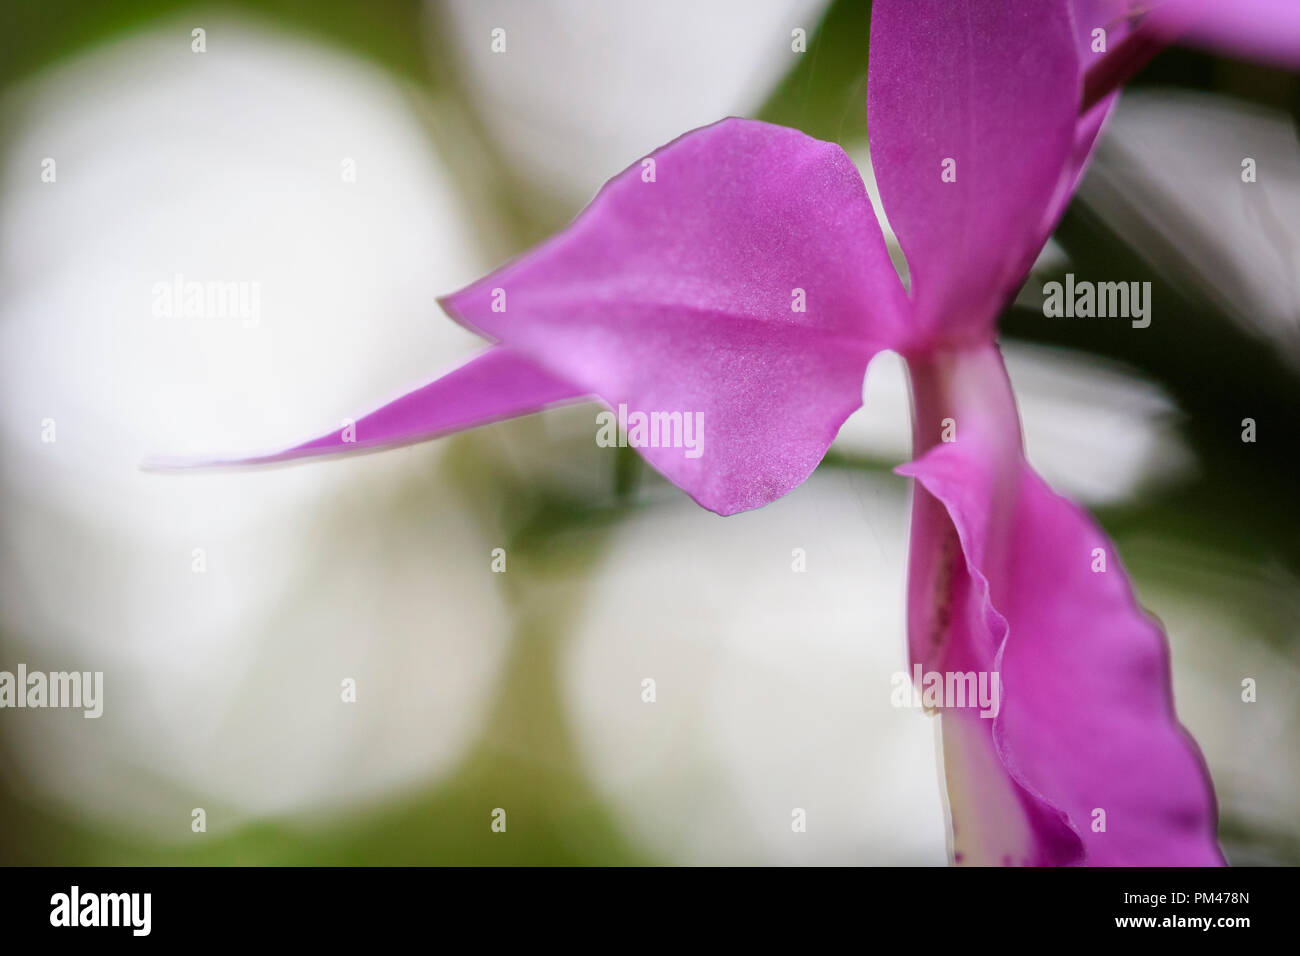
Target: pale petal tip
(179, 462)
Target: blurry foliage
(35, 33)
(825, 95)
(524, 759)
(1242, 501)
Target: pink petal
(1087, 132)
(993, 87)
(494, 385)
(1135, 31)
(1266, 30)
(1088, 16)
(1115, 17)
(678, 295)
(1002, 579)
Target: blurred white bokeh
(223, 688)
(585, 89)
(773, 686)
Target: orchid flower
(740, 274)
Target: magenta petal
(983, 93)
(1114, 17)
(1090, 720)
(1006, 577)
(1266, 30)
(1089, 16)
(494, 385)
(737, 274)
